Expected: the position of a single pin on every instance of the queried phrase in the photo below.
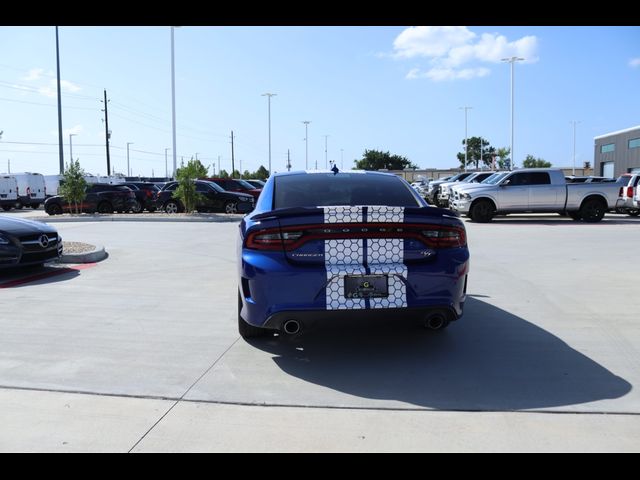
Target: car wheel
(482, 211)
(634, 213)
(105, 207)
(6, 208)
(247, 330)
(231, 207)
(54, 209)
(575, 215)
(137, 207)
(172, 207)
(592, 210)
(19, 205)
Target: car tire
(54, 209)
(247, 330)
(6, 208)
(575, 215)
(592, 210)
(482, 211)
(231, 207)
(105, 207)
(634, 213)
(137, 207)
(172, 207)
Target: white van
(31, 189)
(8, 192)
(52, 182)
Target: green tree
(377, 160)
(504, 160)
(478, 147)
(224, 174)
(235, 174)
(73, 185)
(186, 191)
(247, 174)
(532, 162)
(261, 174)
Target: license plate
(366, 286)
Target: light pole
(342, 159)
(466, 137)
(71, 145)
(60, 147)
(326, 165)
(574, 122)
(269, 95)
(128, 167)
(166, 165)
(306, 144)
(512, 61)
(173, 103)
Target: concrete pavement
(547, 352)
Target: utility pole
(166, 163)
(288, 161)
(106, 131)
(128, 168)
(269, 95)
(233, 158)
(60, 149)
(219, 165)
(306, 143)
(466, 137)
(326, 165)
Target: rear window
(311, 190)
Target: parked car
(255, 182)
(213, 199)
(539, 190)
(101, 198)
(434, 187)
(320, 245)
(236, 185)
(458, 189)
(146, 195)
(8, 192)
(626, 194)
(24, 242)
(445, 191)
(32, 189)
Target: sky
(396, 89)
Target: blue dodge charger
(325, 244)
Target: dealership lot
(141, 352)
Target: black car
(102, 198)
(146, 194)
(24, 242)
(213, 199)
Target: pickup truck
(539, 190)
(625, 203)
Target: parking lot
(140, 352)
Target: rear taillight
(629, 192)
(272, 239)
(445, 237)
(290, 238)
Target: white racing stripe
(346, 257)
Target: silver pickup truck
(539, 190)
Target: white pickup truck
(539, 190)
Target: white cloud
(439, 74)
(634, 62)
(75, 130)
(51, 89)
(458, 53)
(34, 74)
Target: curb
(110, 218)
(96, 255)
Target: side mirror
(505, 183)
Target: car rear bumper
(272, 289)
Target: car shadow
(29, 276)
(558, 221)
(488, 360)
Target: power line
(45, 104)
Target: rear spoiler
(298, 211)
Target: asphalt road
(140, 352)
